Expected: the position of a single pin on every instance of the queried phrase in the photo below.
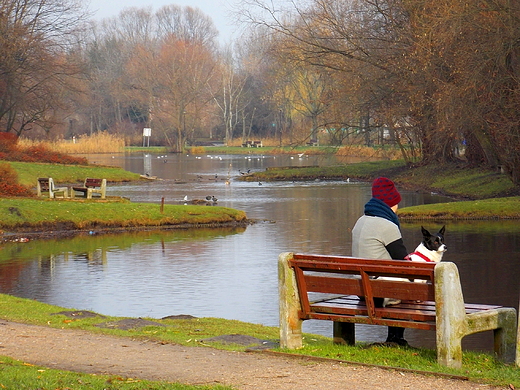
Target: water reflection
(232, 273)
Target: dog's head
(434, 242)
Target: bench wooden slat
(403, 290)
(368, 321)
(333, 286)
(404, 311)
(425, 307)
(397, 268)
(379, 288)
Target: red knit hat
(384, 189)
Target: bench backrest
(44, 183)
(366, 278)
(89, 182)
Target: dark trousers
(394, 332)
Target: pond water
(232, 273)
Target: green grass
(461, 181)
(15, 374)
(85, 214)
(480, 367)
(29, 172)
(184, 332)
(495, 208)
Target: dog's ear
(425, 232)
(441, 232)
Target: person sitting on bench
(377, 235)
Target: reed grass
(101, 142)
(387, 153)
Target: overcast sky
(216, 9)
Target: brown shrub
(41, 153)
(9, 183)
(35, 153)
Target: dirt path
(91, 353)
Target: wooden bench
(329, 288)
(92, 186)
(313, 142)
(46, 184)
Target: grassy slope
(452, 180)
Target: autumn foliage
(9, 183)
(10, 151)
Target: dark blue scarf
(378, 208)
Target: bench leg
(344, 333)
(290, 323)
(450, 315)
(449, 352)
(505, 337)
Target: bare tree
(186, 23)
(35, 38)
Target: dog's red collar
(422, 256)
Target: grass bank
(22, 214)
(31, 214)
(493, 208)
(451, 180)
(480, 367)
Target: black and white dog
(431, 248)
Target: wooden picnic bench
(46, 184)
(92, 186)
(342, 290)
(252, 144)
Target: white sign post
(147, 133)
